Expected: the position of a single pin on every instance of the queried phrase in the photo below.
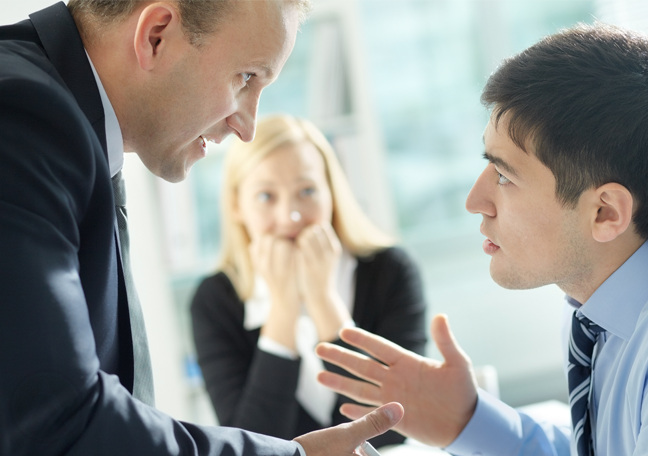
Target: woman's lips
(489, 247)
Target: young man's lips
(490, 247)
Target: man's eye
(502, 179)
(247, 76)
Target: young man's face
(532, 238)
(213, 90)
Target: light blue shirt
(619, 401)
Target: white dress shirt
(114, 139)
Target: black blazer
(66, 362)
(255, 390)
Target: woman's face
(284, 193)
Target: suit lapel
(62, 43)
(60, 38)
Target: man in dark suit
(76, 90)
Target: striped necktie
(143, 376)
(584, 334)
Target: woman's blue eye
(247, 76)
(502, 179)
(308, 191)
(263, 197)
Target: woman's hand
(317, 255)
(274, 259)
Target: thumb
(345, 438)
(445, 341)
(355, 411)
(375, 423)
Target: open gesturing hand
(439, 397)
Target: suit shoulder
(216, 292)
(25, 60)
(391, 257)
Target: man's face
(213, 90)
(532, 238)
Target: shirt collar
(114, 139)
(617, 303)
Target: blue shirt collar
(617, 303)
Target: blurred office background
(395, 85)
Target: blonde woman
(300, 261)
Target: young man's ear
(158, 24)
(614, 205)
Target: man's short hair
(200, 18)
(579, 100)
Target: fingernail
(389, 411)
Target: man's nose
(243, 121)
(479, 200)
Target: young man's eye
(502, 179)
(247, 76)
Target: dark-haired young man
(77, 88)
(564, 200)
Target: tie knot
(589, 324)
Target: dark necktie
(584, 334)
(143, 376)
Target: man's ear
(158, 24)
(614, 205)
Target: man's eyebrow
(501, 164)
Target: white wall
(16, 10)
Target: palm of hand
(439, 397)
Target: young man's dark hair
(579, 101)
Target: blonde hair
(356, 232)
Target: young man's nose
(479, 200)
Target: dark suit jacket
(255, 390)
(66, 362)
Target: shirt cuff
(275, 348)
(494, 429)
(301, 449)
